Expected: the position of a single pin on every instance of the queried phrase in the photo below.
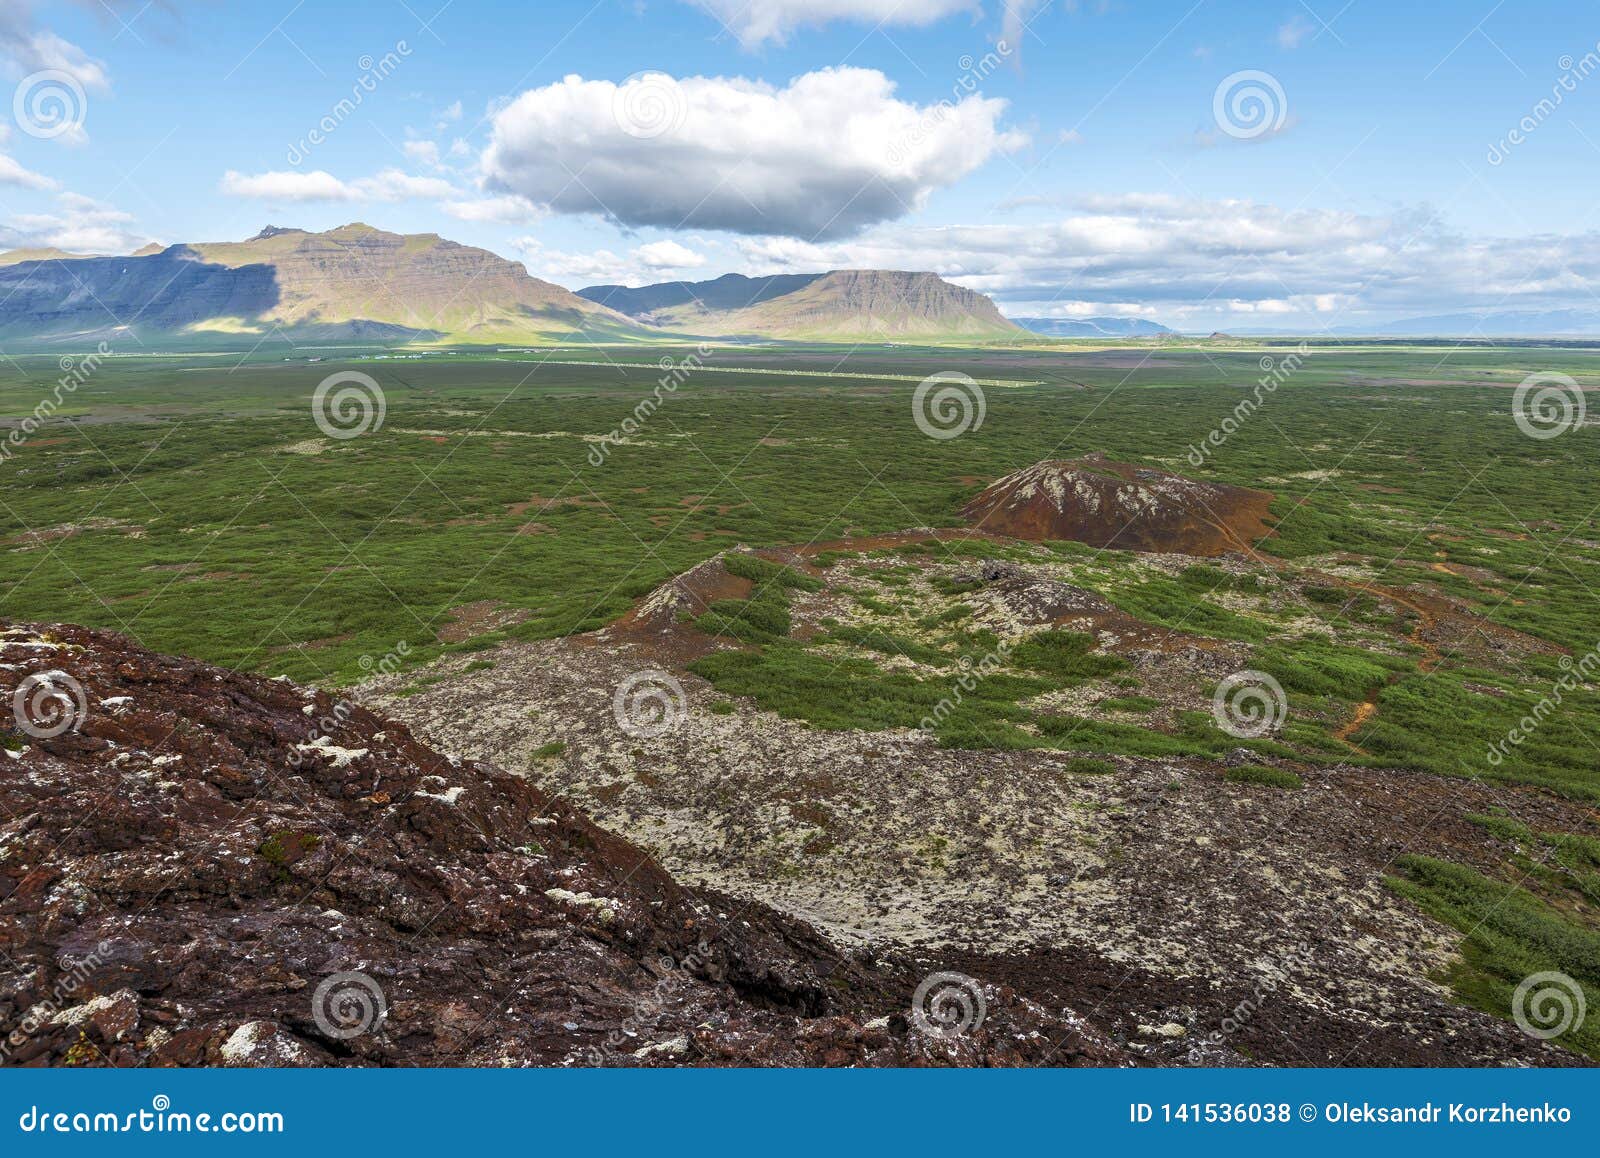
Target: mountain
(659, 303)
(1093, 327)
(1506, 324)
(354, 282)
(845, 304)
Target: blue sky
(1077, 166)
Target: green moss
(1065, 655)
(1087, 766)
(1259, 774)
(1510, 935)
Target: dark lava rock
(207, 868)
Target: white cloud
(287, 185)
(504, 210)
(574, 269)
(47, 51)
(824, 157)
(80, 225)
(13, 173)
(395, 185)
(425, 151)
(652, 262)
(320, 185)
(1292, 32)
(668, 255)
(1195, 262)
(754, 22)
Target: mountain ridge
(1097, 327)
(354, 281)
(841, 304)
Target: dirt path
(1427, 620)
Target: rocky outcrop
(199, 867)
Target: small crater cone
(1116, 504)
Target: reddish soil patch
(540, 502)
(1119, 505)
(44, 535)
(478, 618)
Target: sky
(1200, 163)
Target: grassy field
(194, 503)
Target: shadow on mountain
(168, 291)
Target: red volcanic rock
(199, 867)
(1116, 504)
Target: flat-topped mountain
(842, 304)
(350, 282)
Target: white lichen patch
(337, 756)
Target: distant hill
(1505, 324)
(1093, 327)
(354, 282)
(845, 304)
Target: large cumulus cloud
(822, 158)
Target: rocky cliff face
(354, 281)
(199, 867)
